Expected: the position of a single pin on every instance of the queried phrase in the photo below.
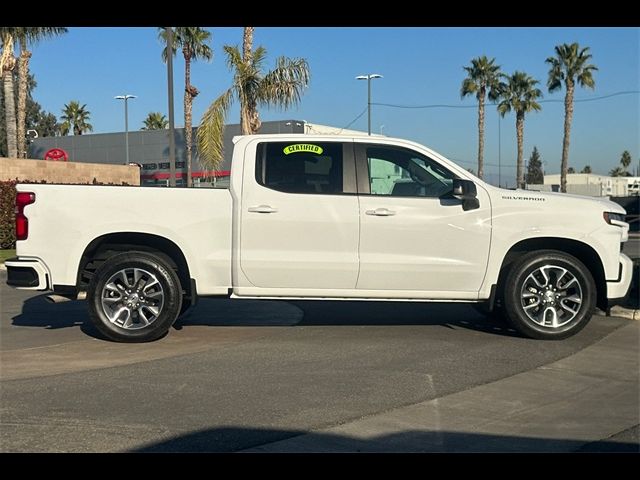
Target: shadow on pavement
(37, 312)
(224, 312)
(231, 439)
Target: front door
(414, 235)
(300, 216)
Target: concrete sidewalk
(561, 407)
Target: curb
(2, 267)
(629, 313)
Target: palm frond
(162, 36)
(211, 130)
(234, 57)
(283, 86)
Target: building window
(149, 166)
(164, 165)
(180, 164)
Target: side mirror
(466, 191)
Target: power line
(443, 105)
(354, 120)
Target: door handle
(262, 209)
(381, 212)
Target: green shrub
(7, 214)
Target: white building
(592, 185)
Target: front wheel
(549, 295)
(134, 297)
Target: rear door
(300, 224)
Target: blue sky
(421, 66)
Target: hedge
(7, 214)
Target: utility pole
(172, 125)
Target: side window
(299, 167)
(404, 173)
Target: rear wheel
(549, 295)
(134, 297)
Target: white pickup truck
(323, 217)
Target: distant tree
(27, 36)
(570, 65)
(535, 175)
(586, 169)
(76, 117)
(155, 121)
(519, 94)
(194, 42)
(483, 78)
(571, 170)
(618, 172)
(471, 170)
(625, 160)
(45, 123)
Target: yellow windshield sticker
(302, 147)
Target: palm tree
(7, 65)
(483, 78)
(519, 94)
(76, 117)
(281, 87)
(193, 41)
(155, 121)
(570, 65)
(618, 172)
(625, 160)
(27, 36)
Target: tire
(557, 306)
(129, 309)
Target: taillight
(22, 223)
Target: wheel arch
(105, 246)
(582, 251)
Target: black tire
(567, 325)
(137, 332)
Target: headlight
(613, 218)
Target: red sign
(56, 154)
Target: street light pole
(172, 126)
(499, 154)
(126, 122)
(368, 78)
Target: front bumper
(618, 289)
(27, 274)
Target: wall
(67, 172)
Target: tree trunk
(481, 134)
(568, 116)
(247, 43)
(7, 64)
(519, 136)
(23, 71)
(247, 111)
(187, 111)
(10, 113)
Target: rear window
(300, 167)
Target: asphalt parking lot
(238, 375)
